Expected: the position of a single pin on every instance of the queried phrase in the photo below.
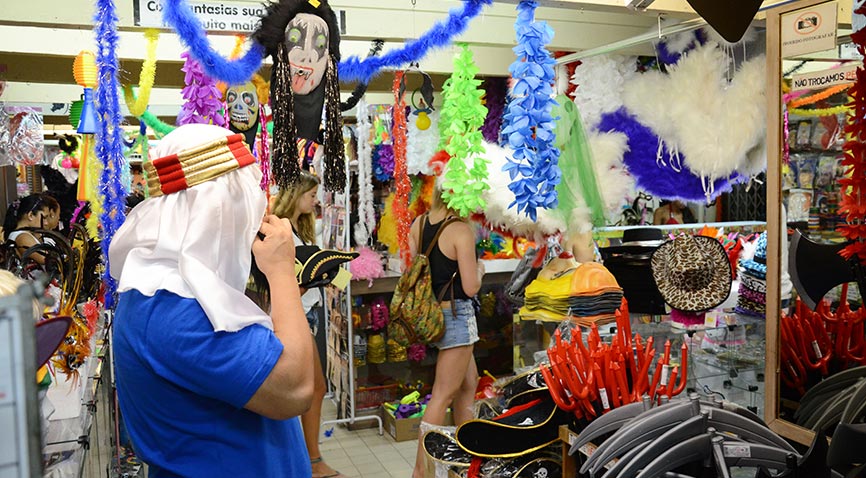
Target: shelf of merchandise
(391, 379)
(340, 371)
(67, 441)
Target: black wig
(272, 35)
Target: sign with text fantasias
(215, 16)
(809, 30)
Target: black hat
(49, 335)
(524, 429)
(317, 267)
(638, 240)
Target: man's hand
(275, 253)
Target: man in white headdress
(208, 383)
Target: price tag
(817, 350)
(737, 450)
(666, 375)
(604, 401)
(711, 319)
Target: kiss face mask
(307, 42)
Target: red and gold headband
(194, 166)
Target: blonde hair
(9, 283)
(287, 203)
(439, 202)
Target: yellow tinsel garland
(145, 81)
(818, 112)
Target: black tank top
(441, 267)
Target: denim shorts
(460, 326)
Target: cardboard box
(407, 428)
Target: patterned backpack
(415, 313)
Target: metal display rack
(20, 448)
(340, 369)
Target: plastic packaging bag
(26, 145)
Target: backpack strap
(438, 233)
(450, 284)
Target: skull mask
(243, 104)
(307, 42)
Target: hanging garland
(528, 124)
(366, 213)
(160, 128)
(812, 99)
(383, 157)
(109, 147)
(496, 92)
(459, 131)
(853, 203)
(202, 103)
(820, 112)
(137, 106)
(264, 151)
(178, 15)
(401, 172)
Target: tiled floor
(365, 454)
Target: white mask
(307, 41)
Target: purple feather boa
(640, 159)
(497, 90)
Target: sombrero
(692, 273)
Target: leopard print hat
(692, 273)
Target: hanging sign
(214, 16)
(825, 78)
(809, 30)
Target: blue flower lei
(528, 125)
(180, 17)
(109, 138)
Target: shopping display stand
(340, 370)
(20, 448)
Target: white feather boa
(613, 181)
(421, 145)
(366, 213)
(695, 111)
(600, 81)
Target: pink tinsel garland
(416, 352)
(379, 315)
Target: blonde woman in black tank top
(456, 373)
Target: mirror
(814, 322)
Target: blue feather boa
(109, 138)
(179, 16)
(354, 68)
(234, 72)
(640, 159)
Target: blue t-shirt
(182, 388)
